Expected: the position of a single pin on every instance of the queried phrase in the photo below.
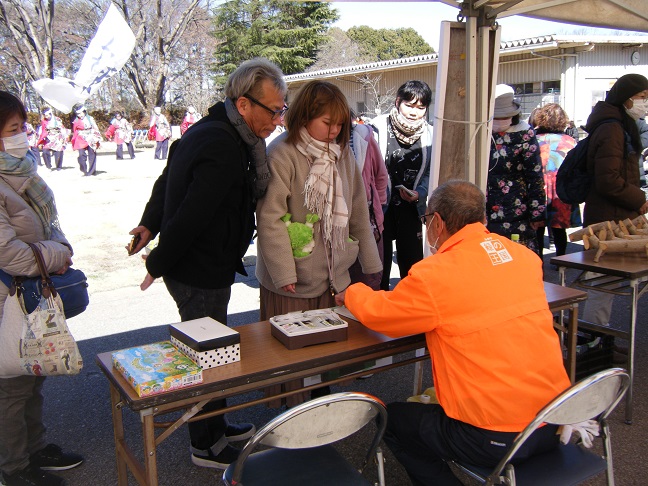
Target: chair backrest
(594, 397)
(318, 422)
(321, 421)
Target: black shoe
(31, 476)
(320, 392)
(235, 432)
(52, 458)
(224, 458)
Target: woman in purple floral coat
(515, 194)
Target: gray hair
(247, 78)
(459, 203)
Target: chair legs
(380, 459)
(607, 450)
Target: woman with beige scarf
(405, 141)
(312, 170)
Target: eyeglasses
(274, 113)
(423, 218)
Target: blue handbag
(72, 287)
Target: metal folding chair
(300, 441)
(593, 398)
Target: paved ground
(77, 408)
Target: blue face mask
(16, 145)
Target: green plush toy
(301, 234)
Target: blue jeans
(194, 303)
(22, 432)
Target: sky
(425, 18)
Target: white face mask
(433, 246)
(16, 145)
(638, 110)
(501, 125)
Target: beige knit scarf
(406, 132)
(323, 188)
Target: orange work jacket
(480, 300)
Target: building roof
(513, 47)
(364, 68)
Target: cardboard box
(212, 358)
(156, 368)
(204, 334)
(299, 329)
(208, 342)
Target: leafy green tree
(385, 44)
(287, 33)
(338, 51)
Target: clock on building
(634, 58)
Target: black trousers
(559, 237)
(423, 438)
(194, 303)
(402, 224)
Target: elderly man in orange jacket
(496, 358)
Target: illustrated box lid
(156, 368)
(204, 334)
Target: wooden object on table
(626, 236)
(639, 225)
(621, 245)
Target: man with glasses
(496, 358)
(202, 206)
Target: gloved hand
(587, 430)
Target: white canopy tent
(615, 14)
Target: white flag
(107, 53)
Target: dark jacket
(616, 193)
(202, 206)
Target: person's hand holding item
(141, 237)
(408, 195)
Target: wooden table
(619, 274)
(265, 362)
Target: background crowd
(367, 185)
